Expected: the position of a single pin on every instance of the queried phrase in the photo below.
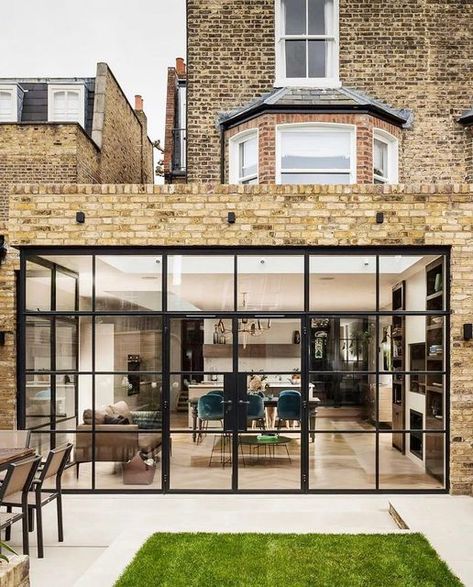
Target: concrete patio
(103, 532)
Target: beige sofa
(116, 443)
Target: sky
(138, 39)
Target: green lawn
(287, 560)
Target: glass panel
(67, 395)
(318, 58)
(201, 345)
(6, 112)
(380, 157)
(315, 149)
(342, 283)
(315, 178)
(342, 461)
(128, 283)
(138, 395)
(65, 292)
(320, 17)
(38, 344)
(269, 344)
(128, 343)
(294, 12)
(420, 466)
(412, 343)
(347, 343)
(248, 157)
(38, 401)
(271, 283)
(343, 401)
(188, 412)
(81, 266)
(38, 287)
(269, 461)
(198, 282)
(412, 282)
(206, 464)
(259, 407)
(67, 343)
(127, 459)
(295, 58)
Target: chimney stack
(180, 67)
(138, 103)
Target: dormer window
(66, 103)
(8, 103)
(307, 43)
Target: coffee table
(252, 440)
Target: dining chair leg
(60, 527)
(24, 522)
(39, 528)
(8, 529)
(30, 519)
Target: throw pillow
(116, 420)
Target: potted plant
(14, 570)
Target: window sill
(303, 82)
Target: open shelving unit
(398, 350)
(435, 365)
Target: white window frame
(53, 88)
(393, 156)
(332, 81)
(314, 127)
(234, 144)
(11, 89)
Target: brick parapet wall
(411, 54)
(44, 153)
(266, 125)
(195, 215)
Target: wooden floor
(337, 460)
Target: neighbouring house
(294, 313)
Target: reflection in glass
(38, 343)
(270, 283)
(73, 277)
(345, 343)
(343, 283)
(128, 283)
(67, 343)
(66, 290)
(294, 17)
(351, 393)
(128, 343)
(342, 461)
(38, 287)
(198, 282)
(38, 401)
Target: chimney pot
(180, 66)
(138, 103)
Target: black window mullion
(93, 369)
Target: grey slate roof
(466, 117)
(317, 99)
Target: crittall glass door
(253, 370)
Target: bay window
(385, 157)
(244, 158)
(307, 42)
(66, 103)
(316, 154)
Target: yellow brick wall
(266, 215)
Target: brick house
(297, 317)
(77, 130)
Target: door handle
(227, 402)
(241, 402)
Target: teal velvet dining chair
(289, 407)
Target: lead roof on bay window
(317, 100)
(466, 118)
